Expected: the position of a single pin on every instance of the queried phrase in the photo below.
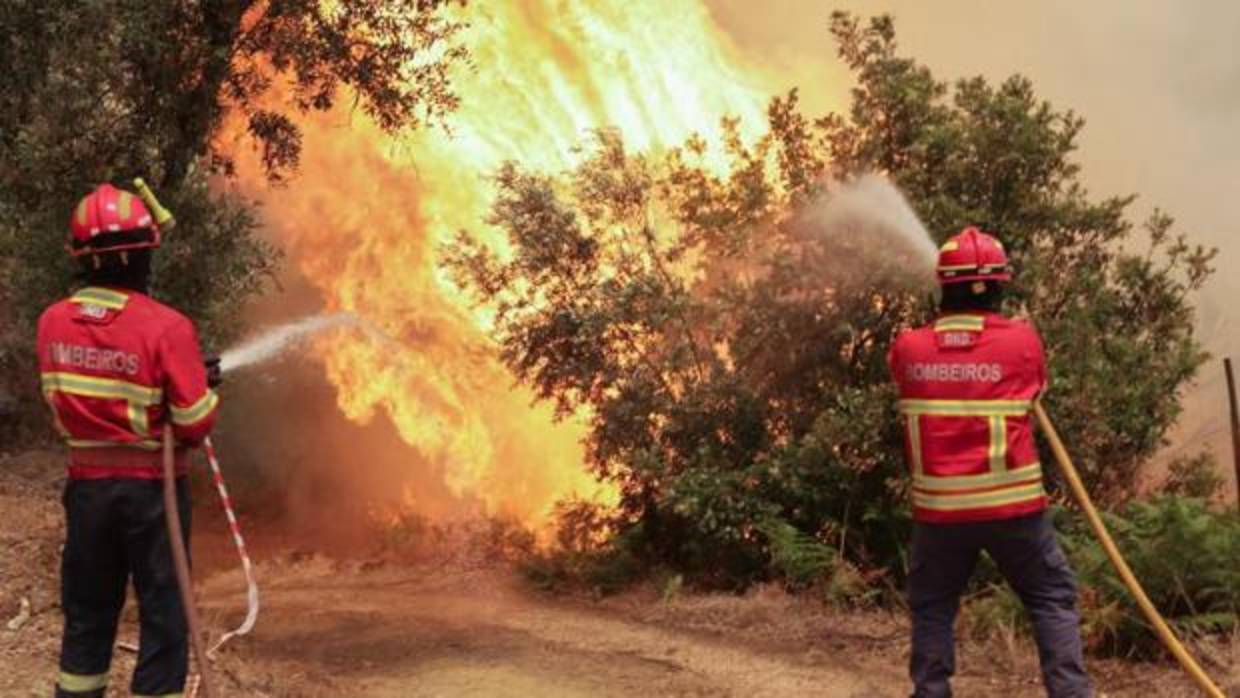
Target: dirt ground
(365, 622)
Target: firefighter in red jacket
(967, 384)
(118, 370)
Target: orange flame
(367, 212)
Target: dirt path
(364, 622)
(479, 634)
(334, 628)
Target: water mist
(872, 236)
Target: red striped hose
(251, 614)
(180, 564)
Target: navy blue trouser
(115, 528)
(1028, 556)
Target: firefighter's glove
(214, 375)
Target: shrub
(1185, 557)
(1193, 476)
(805, 562)
(798, 558)
(586, 553)
(1183, 554)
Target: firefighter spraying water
(122, 373)
(969, 385)
(125, 379)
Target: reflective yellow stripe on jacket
(999, 485)
(138, 397)
(966, 408)
(947, 484)
(185, 416)
(101, 296)
(1015, 494)
(107, 388)
(140, 445)
(995, 488)
(968, 323)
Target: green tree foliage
(1183, 553)
(1195, 475)
(112, 89)
(730, 356)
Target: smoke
(873, 233)
(1160, 96)
(291, 454)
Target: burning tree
(730, 358)
(166, 90)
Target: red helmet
(972, 255)
(111, 220)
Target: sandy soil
(431, 633)
(370, 623)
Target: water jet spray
(272, 342)
(874, 204)
(871, 236)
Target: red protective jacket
(117, 368)
(967, 384)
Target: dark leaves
(278, 138)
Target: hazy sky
(1157, 82)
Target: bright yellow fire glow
(364, 218)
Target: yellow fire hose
(1164, 632)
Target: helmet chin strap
(131, 269)
(97, 262)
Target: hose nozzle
(163, 217)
